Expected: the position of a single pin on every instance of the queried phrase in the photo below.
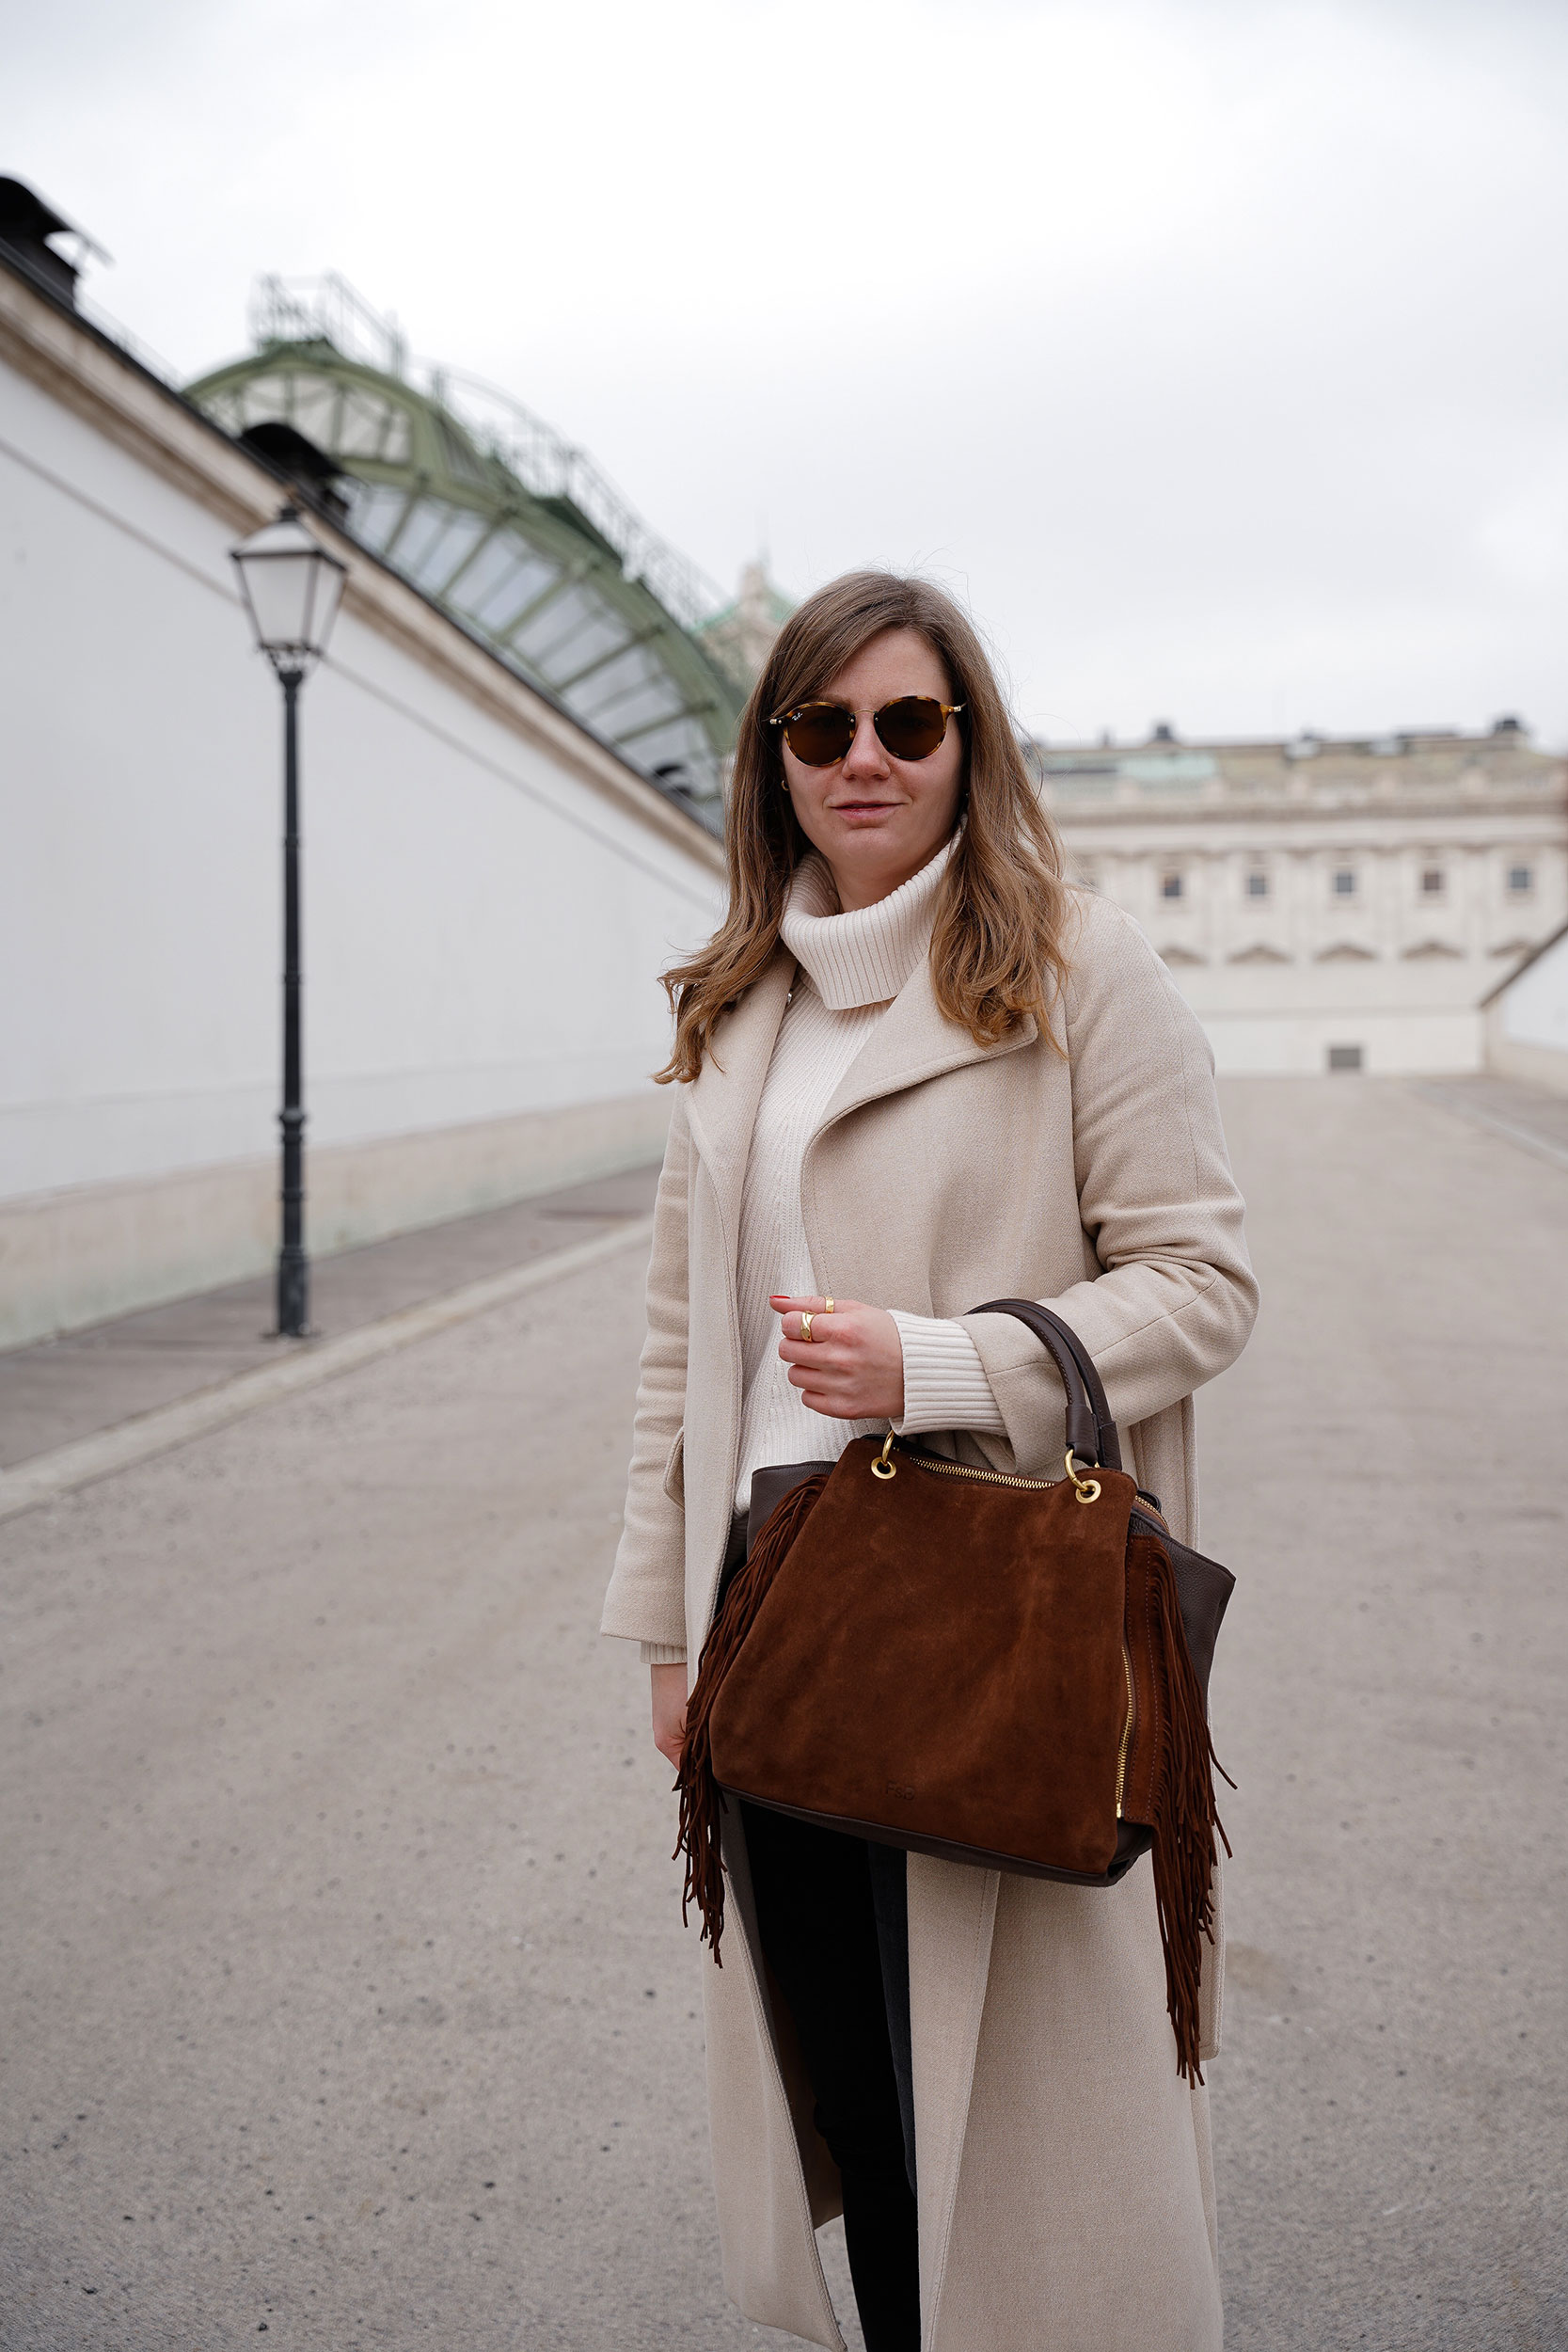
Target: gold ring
(805, 1329)
(827, 1306)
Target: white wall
(1527, 1023)
(482, 922)
(1407, 1018)
(1391, 1045)
(1534, 1006)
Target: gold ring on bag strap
(1086, 1489)
(882, 1467)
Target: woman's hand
(852, 1366)
(669, 1683)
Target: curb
(68, 1466)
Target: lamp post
(292, 587)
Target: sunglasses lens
(819, 733)
(911, 728)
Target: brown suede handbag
(999, 1670)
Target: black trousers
(832, 1919)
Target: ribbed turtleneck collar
(863, 958)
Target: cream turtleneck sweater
(850, 967)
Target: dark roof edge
(1523, 965)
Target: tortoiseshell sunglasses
(819, 734)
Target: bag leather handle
(1090, 1431)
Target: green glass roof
(503, 524)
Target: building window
(1173, 885)
(1257, 885)
(1431, 881)
(1343, 882)
(1521, 880)
(1344, 1057)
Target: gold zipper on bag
(1126, 1729)
(967, 1470)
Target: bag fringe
(1186, 1821)
(701, 1798)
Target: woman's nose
(866, 756)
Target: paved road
(59, 1391)
(345, 1993)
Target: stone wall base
(1385, 1045)
(1516, 1057)
(80, 1255)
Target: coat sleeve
(647, 1600)
(1176, 1298)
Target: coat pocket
(674, 1481)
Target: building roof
(1418, 768)
(502, 523)
(138, 373)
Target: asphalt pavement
(345, 1995)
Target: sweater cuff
(664, 1653)
(944, 1382)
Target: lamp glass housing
(291, 588)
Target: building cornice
(1399, 824)
(80, 366)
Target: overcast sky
(1214, 350)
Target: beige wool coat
(1065, 2188)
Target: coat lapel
(913, 1041)
(722, 1105)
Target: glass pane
(313, 409)
(682, 740)
(502, 579)
(590, 643)
(263, 398)
(327, 591)
(280, 592)
(425, 529)
(373, 512)
(630, 674)
(439, 561)
(564, 613)
(572, 632)
(371, 427)
(656, 697)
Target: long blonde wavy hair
(996, 945)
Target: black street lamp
(292, 587)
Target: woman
(917, 1071)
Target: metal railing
(328, 308)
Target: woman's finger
(795, 1347)
(835, 1408)
(840, 1324)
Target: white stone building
(1327, 903)
(489, 886)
